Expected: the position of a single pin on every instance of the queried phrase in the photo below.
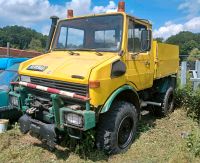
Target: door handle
(147, 63)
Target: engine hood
(63, 66)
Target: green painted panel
(88, 116)
(3, 99)
(108, 103)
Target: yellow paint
(166, 57)
(61, 65)
(142, 68)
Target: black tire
(117, 128)
(167, 104)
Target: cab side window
(134, 36)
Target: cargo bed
(166, 59)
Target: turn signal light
(121, 6)
(70, 13)
(94, 84)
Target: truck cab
(98, 73)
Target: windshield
(101, 33)
(7, 76)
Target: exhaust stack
(54, 20)
(70, 13)
(121, 6)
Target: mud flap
(24, 124)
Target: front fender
(110, 100)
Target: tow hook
(31, 111)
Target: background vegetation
(189, 100)
(188, 42)
(26, 38)
(22, 38)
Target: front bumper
(50, 133)
(60, 106)
(45, 131)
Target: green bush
(181, 96)
(86, 145)
(190, 100)
(193, 142)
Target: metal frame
(195, 75)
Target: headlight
(14, 101)
(73, 119)
(26, 79)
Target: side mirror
(146, 37)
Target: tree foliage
(35, 44)
(26, 38)
(194, 55)
(187, 41)
(22, 38)
(159, 39)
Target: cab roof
(143, 21)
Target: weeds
(159, 141)
(86, 145)
(193, 142)
(83, 146)
(188, 99)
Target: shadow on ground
(63, 153)
(146, 123)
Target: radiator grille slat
(60, 86)
(80, 89)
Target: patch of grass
(159, 140)
(190, 100)
(193, 142)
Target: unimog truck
(98, 73)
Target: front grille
(80, 89)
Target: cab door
(139, 62)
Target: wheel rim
(125, 132)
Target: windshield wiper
(98, 53)
(95, 50)
(73, 53)
(70, 51)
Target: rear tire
(167, 103)
(117, 128)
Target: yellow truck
(99, 72)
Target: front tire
(117, 128)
